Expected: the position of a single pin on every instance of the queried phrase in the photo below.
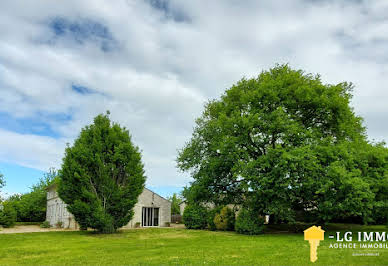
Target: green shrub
(59, 224)
(211, 215)
(195, 217)
(248, 222)
(7, 215)
(45, 224)
(225, 219)
(31, 207)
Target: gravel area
(29, 229)
(35, 228)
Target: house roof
(51, 186)
(157, 194)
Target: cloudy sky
(153, 64)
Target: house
(150, 210)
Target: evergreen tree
(102, 176)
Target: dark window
(150, 216)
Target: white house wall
(150, 199)
(57, 211)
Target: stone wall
(150, 199)
(57, 211)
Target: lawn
(175, 247)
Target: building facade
(151, 210)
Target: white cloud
(32, 151)
(161, 70)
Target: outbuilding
(151, 210)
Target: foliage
(102, 176)
(249, 222)
(211, 215)
(373, 163)
(45, 224)
(352, 184)
(225, 219)
(31, 207)
(7, 215)
(175, 201)
(14, 201)
(285, 143)
(59, 224)
(195, 217)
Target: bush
(45, 224)
(7, 215)
(31, 207)
(59, 224)
(211, 215)
(195, 217)
(225, 219)
(249, 222)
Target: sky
(154, 63)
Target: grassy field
(176, 247)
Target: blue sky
(154, 63)
(19, 179)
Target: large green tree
(287, 145)
(102, 176)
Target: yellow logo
(314, 234)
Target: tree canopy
(287, 145)
(102, 176)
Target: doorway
(150, 216)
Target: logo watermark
(314, 235)
(347, 240)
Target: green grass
(170, 246)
